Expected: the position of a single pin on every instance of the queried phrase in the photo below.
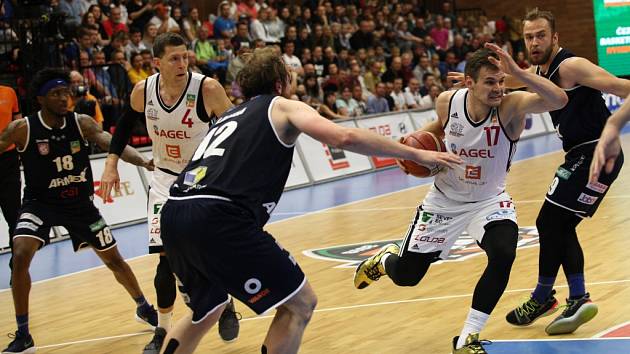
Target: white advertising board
(392, 126)
(297, 176)
(423, 118)
(535, 125)
(325, 162)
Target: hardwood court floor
(89, 306)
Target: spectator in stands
(235, 66)
(120, 58)
(413, 98)
(242, 36)
(430, 48)
(257, 28)
(118, 42)
(459, 47)
(176, 14)
(311, 85)
(333, 80)
(319, 62)
(182, 4)
(397, 94)
(449, 63)
(114, 23)
(74, 9)
(147, 61)
(346, 105)
(428, 80)
(96, 37)
(309, 69)
(85, 64)
(224, 26)
(82, 101)
(191, 24)
(192, 62)
(439, 33)
(150, 32)
(105, 6)
(389, 88)
(408, 37)
(117, 70)
(291, 60)
(137, 72)
(163, 21)
(394, 71)
(373, 77)
(357, 95)
(461, 66)
(328, 108)
(140, 12)
(248, 8)
(420, 29)
(135, 44)
(522, 61)
(377, 102)
(363, 38)
(275, 26)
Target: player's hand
(442, 159)
(505, 62)
(149, 165)
(606, 152)
(110, 179)
(456, 79)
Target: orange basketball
(425, 141)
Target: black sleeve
(123, 130)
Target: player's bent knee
(409, 269)
(500, 241)
(303, 304)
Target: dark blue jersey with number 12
(241, 159)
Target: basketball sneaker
(155, 345)
(371, 269)
(147, 316)
(228, 323)
(576, 313)
(472, 346)
(531, 310)
(20, 344)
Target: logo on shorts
(597, 187)
(253, 286)
(75, 146)
(563, 173)
(426, 216)
(587, 199)
(43, 147)
(465, 247)
(501, 214)
(97, 226)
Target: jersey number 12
(210, 144)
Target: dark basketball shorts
(216, 248)
(570, 188)
(83, 221)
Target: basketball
(425, 141)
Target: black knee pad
(409, 269)
(164, 283)
(499, 241)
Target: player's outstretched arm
(215, 99)
(582, 72)
(110, 178)
(292, 117)
(546, 95)
(609, 147)
(14, 133)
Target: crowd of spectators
(347, 58)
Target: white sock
(384, 258)
(164, 320)
(475, 322)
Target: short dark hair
(168, 39)
(479, 60)
(263, 68)
(45, 75)
(535, 14)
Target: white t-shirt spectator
(172, 24)
(292, 61)
(413, 99)
(399, 99)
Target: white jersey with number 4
(175, 130)
(485, 149)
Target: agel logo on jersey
(464, 248)
(43, 147)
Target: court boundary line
(360, 306)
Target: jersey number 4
(187, 121)
(210, 144)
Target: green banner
(612, 29)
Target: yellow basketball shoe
(472, 346)
(371, 269)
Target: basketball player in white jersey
(481, 125)
(177, 106)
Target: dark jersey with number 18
(241, 160)
(56, 162)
